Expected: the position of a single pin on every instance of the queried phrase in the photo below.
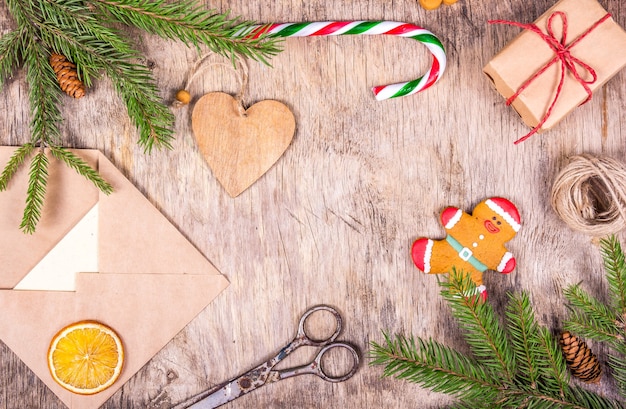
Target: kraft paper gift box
(601, 46)
(114, 259)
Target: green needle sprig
(604, 322)
(84, 31)
(517, 364)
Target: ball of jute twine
(590, 195)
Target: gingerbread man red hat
(507, 210)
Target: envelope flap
(69, 197)
(151, 281)
(136, 238)
(146, 310)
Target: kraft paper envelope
(114, 259)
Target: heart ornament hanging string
(238, 144)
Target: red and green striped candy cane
(394, 28)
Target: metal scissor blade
(224, 394)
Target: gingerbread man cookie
(474, 244)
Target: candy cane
(330, 28)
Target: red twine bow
(562, 54)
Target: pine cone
(582, 363)
(67, 76)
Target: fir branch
(186, 21)
(523, 329)
(153, 119)
(82, 168)
(462, 405)
(15, 161)
(10, 53)
(22, 12)
(38, 179)
(554, 376)
(588, 399)
(581, 324)
(435, 366)
(101, 49)
(615, 268)
(535, 349)
(43, 95)
(590, 317)
(576, 398)
(484, 334)
(83, 31)
(540, 364)
(73, 30)
(618, 365)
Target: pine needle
(587, 399)
(10, 53)
(82, 167)
(618, 364)
(615, 268)
(435, 366)
(520, 365)
(483, 332)
(38, 178)
(43, 95)
(554, 376)
(525, 339)
(604, 322)
(14, 163)
(186, 21)
(87, 33)
(590, 317)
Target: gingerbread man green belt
(474, 243)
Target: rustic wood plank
(332, 222)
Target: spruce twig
(187, 22)
(519, 366)
(553, 367)
(16, 160)
(82, 168)
(435, 366)
(86, 33)
(38, 176)
(484, 334)
(10, 53)
(615, 268)
(590, 318)
(43, 95)
(525, 339)
(593, 319)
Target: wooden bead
(430, 4)
(183, 96)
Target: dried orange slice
(86, 357)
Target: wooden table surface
(333, 221)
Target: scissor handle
(306, 339)
(316, 367)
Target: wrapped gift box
(603, 48)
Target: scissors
(264, 373)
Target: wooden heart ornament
(240, 146)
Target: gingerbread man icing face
(474, 244)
